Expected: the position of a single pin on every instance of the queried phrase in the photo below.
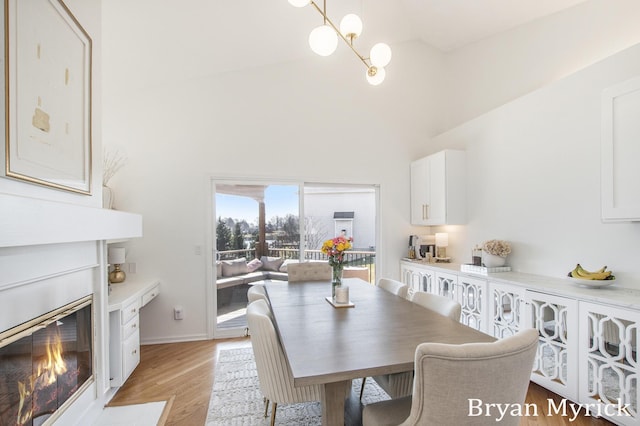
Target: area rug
(236, 398)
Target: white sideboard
(587, 350)
(125, 301)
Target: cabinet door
(620, 152)
(608, 360)
(471, 293)
(438, 189)
(506, 309)
(555, 365)
(419, 191)
(436, 211)
(418, 279)
(444, 284)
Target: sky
(280, 200)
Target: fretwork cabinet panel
(608, 362)
(471, 293)
(506, 309)
(555, 365)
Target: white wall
(284, 122)
(496, 70)
(534, 178)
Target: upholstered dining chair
(440, 304)
(401, 384)
(309, 271)
(451, 380)
(274, 373)
(398, 384)
(256, 292)
(392, 286)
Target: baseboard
(174, 339)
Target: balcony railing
(357, 258)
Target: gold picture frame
(47, 95)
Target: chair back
(309, 271)
(452, 380)
(440, 304)
(274, 373)
(392, 286)
(256, 292)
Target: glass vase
(336, 279)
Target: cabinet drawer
(130, 354)
(129, 328)
(130, 311)
(150, 295)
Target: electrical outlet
(178, 313)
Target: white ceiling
(444, 24)
(203, 37)
(450, 24)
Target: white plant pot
(492, 261)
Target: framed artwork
(48, 95)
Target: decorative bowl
(592, 283)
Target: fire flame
(45, 374)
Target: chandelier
(324, 41)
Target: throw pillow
(271, 263)
(219, 269)
(234, 267)
(254, 265)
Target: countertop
(615, 294)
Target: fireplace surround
(53, 254)
(45, 363)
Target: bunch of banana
(583, 274)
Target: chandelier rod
(326, 19)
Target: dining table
(376, 334)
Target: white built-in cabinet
(125, 301)
(438, 194)
(608, 362)
(587, 351)
(620, 152)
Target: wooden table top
(379, 335)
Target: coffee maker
(419, 247)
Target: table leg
(333, 397)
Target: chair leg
(266, 407)
(364, 379)
(273, 414)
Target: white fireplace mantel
(30, 221)
(52, 253)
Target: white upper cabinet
(438, 193)
(620, 152)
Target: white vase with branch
(112, 161)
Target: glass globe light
(351, 25)
(380, 55)
(323, 40)
(375, 75)
(299, 3)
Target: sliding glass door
(257, 233)
(256, 225)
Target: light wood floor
(182, 374)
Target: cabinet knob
(134, 352)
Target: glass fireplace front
(44, 363)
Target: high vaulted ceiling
(450, 24)
(203, 37)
